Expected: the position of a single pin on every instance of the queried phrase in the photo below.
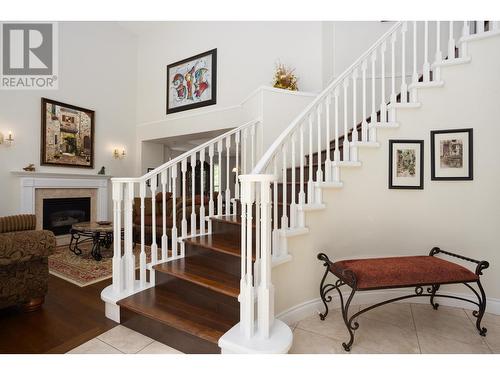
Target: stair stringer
(458, 80)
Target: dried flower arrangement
(284, 78)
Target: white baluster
(319, 171)
(414, 78)
(129, 255)
(173, 233)
(328, 160)
(236, 180)
(345, 150)
(302, 197)
(393, 67)
(117, 237)
(142, 256)
(336, 152)
(164, 237)
(193, 195)
(202, 192)
(364, 123)
(373, 115)
(404, 86)
(154, 246)
(439, 54)
(465, 34)
(265, 302)
(228, 173)
(276, 235)
(383, 104)
(480, 27)
(293, 205)
(219, 196)
(184, 220)
(427, 67)
(310, 191)
(211, 205)
(354, 135)
(284, 217)
(244, 151)
(451, 43)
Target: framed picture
(192, 82)
(451, 154)
(406, 164)
(67, 135)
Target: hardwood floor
(69, 317)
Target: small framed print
(406, 164)
(451, 155)
(148, 182)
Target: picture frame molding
(205, 103)
(471, 155)
(421, 180)
(44, 102)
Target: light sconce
(8, 141)
(119, 154)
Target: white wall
(246, 53)
(97, 70)
(366, 219)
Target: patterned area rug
(83, 270)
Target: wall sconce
(8, 141)
(117, 154)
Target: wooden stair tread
(217, 242)
(170, 309)
(190, 270)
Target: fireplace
(59, 214)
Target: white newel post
(142, 256)
(265, 301)
(129, 256)
(246, 282)
(117, 240)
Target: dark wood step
(199, 273)
(167, 317)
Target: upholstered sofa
(148, 216)
(24, 270)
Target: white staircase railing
(185, 206)
(353, 107)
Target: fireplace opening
(59, 214)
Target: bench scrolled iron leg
(350, 325)
(432, 290)
(323, 292)
(478, 314)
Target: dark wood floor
(69, 317)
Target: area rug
(83, 270)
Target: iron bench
(400, 272)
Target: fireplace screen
(59, 214)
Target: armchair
(24, 270)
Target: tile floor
(394, 328)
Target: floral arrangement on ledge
(284, 78)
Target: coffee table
(99, 234)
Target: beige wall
(366, 219)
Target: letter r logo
(27, 49)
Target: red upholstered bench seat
(396, 272)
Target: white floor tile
(158, 348)
(94, 346)
(125, 339)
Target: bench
(400, 272)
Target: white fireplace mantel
(30, 181)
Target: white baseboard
(315, 306)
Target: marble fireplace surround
(36, 186)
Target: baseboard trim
(309, 308)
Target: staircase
(208, 285)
